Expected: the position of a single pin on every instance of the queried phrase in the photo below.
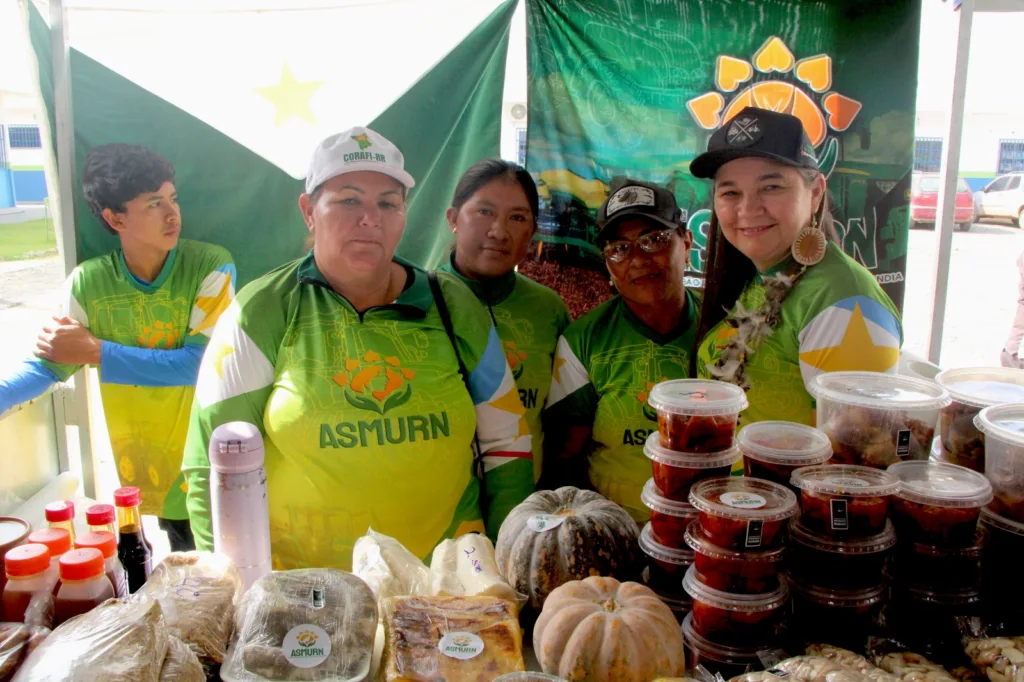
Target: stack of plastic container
(972, 390)
(695, 441)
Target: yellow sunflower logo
(306, 638)
(375, 383)
(642, 396)
(158, 335)
(516, 359)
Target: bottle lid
(1002, 422)
(58, 540)
(655, 501)
(127, 497)
(727, 601)
(941, 485)
(57, 512)
(784, 443)
(656, 550)
(873, 544)
(236, 448)
(697, 541)
(888, 392)
(983, 386)
(848, 480)
(81, 564)
(27, 560)
(743, 498)
(103, 540)
(99, 514)
(698, 397)
(688, 460)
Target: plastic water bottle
(238, 497)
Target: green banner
(636, 87)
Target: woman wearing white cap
(369, 378)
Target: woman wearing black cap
(782, 302)
(609, 359)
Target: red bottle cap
(102, 540)
(60, 511)
(27, 560)
(57, 539)
(81, 564)
(127, 497)
(99, 514)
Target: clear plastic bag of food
(197, 592)
(1000, 658)
(910, 667)
(118, 641)
(805, 669)
(311, 625)
(849, 659)
(466, 567)
(389, 569)
(17, 641)
(181, 663)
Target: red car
(924, 196)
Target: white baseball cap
(356, 149)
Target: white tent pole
(949, 173)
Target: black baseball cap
(630, 198)
(757, 132)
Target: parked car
(924, 197)
(1002, 198)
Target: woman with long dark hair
(782, 302)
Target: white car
(1001, 198)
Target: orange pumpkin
(601, 630)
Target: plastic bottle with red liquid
(133, 549)
(58, 541)
(61, 514)
(100, 517)
(84, 584)
(106, 543)
(28, 596)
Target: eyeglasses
(649, 242)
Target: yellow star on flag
(290, 97)
(559, 362)
(218, 358)
(213, 306)
(509, 403)
(856, 352)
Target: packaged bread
(910, 667)
(309, 625)
(181, 663)
(17, 641)
(118, 641)
(197, 592)
(1000, 658)
(389, 569)
(469, 639)
(849, 659)
(805, 669)
(466, 568)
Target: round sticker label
(743, 500)
(306, 646)
(542, 523)
(846, 481)
(461, 645)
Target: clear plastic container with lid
(100, 517)
(676, 599)
(743, 513)
(1002, 553)
(28, 594)
(938, 504)
(774, 450)
(669, 518)
(106, 543)
(676, 472)
(877, 419)
(667, 565)
(730, 570)
(61, 514)
(845, 500)
(697, 416)
(84, 584)
(973, 389)
(849, 616)
(735, 619)
(943, 567)
(929, 619)
(721, 660)
(1003, 426)
(842, 564)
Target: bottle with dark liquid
(134, 551)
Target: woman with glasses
(597, 417)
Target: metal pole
(949, 173)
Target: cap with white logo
(628, 197)
(757, 132)
(356, 149)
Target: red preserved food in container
(667, 565)
(942, 567)
(728, 570)
(669, 518)
(697, 416)
(735, 619)
(58, 541)
(1003, 426)
(972, 390)
(724, 660)
(845, 500)
(849, 615)
(742, 512)
(773, 450)
(928, 619)
(842, 564)
(676, 472)
(938, 504)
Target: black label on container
(754, 533)
(840, 514)
(903, 443)
(316, 599)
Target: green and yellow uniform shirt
(529, 318)
(836, 318)
(147, 412)
(605, 365)
(365, 417)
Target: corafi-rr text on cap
(356, 149)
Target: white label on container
(846, 481)
(461, 645)
(542, 523)
(743, 500)
(306, 646)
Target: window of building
(927, 154)
(1011, 156)
(24, 137)
(521, 146)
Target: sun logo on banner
(375, 383)
(791, 87)
(516, 359)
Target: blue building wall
(29, 186)
(6, 188)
